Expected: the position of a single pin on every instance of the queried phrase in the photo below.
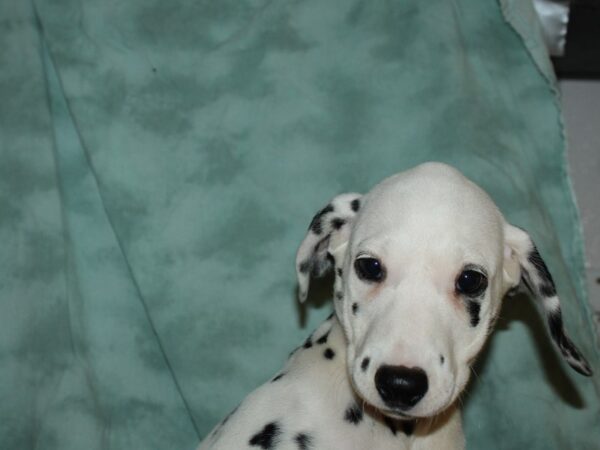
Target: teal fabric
(160, 162)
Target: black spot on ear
(354, 308)
(317, 264)
(408, 426)
(267, 437)
(316, 225)
(307, 343)
(364, 365)
(303, 440)
(353, 414)
(473, 308)
(566, 347)
(555, 324)
(526, 280)
(331, 259)
(323, 339)
(547, 286)
(547, 290)
(304, 267)
(278, 377)
(337, 223)
(329, 353)
(355, 205)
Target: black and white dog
(422, 263)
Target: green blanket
(160, 161)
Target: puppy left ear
(327, 236)
(523, 263)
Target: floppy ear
(326, 238)
(523, 263)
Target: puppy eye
(471, 283)
(369, 269)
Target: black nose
(401, 387)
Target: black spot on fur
(391, 424)
(442, 359)
(278, 377)
(473, 309)
(337, 223)
(547, 286)
(353, 414)
(339, 272)
(339, 295)
(355, 205)
(329, 353)
(267, 437)
(316, 225)
(303, 440)
(323, 339)
(408, 427)
(354, 308)
(364, 365)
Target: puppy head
(422, 263)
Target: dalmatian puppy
(421, 265)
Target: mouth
(399, 415)
(392, 413)
(396, 414)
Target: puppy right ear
(327, 234)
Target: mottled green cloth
(160, 161)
